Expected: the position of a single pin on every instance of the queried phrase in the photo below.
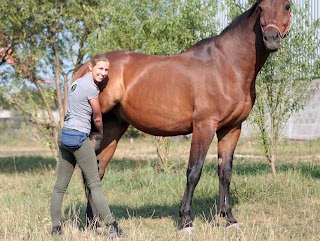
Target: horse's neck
(243, 46)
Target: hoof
(234, 226)
(187, 231)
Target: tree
(162, 27)
(41, 46)
(284, 85)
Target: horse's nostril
(265, 38)
(276, 36)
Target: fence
(14, 130)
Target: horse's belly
(158, 121)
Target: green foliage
(162, 27)
(132, 132)
(235, 8)
(3, 103)
(48, 39)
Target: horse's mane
(232, 25)
(246, 14)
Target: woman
(76, 148)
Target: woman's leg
(65, 169)
(87, 160)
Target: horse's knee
(225, 170)
(194, 172)
(225, 175)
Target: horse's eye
(288, 6)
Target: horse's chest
(236, 112)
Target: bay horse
(208, 89)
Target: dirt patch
(25, 151)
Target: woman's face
(100, 70)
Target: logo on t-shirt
(73, 87)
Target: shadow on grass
(203, 208)
(251, 168)
(25, 164)
(241, 166)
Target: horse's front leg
(227, 141)
(203, 133)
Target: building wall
(306, 123)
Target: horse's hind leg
(113, 131)
(203, 133)
(227, 141)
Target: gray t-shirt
(79, 109)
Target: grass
(146, 201)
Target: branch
(44, 124)
(49, 111)
(80, 55)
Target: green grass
(146, 201)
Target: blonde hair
(97, 58)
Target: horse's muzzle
(272, 40)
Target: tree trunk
(58, 85)
(273, 146)
(273, 162)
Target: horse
(207, 90)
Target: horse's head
(275, 21)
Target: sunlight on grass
(146, 202)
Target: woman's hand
(96, 138)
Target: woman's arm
(97, 120)
(97, 116)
